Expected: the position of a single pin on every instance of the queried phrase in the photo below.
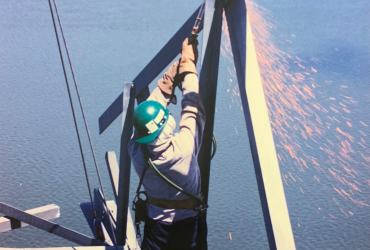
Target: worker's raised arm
(192, 115)
(164, 93)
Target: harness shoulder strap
(145, 151)
(151, 164)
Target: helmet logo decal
(151, 126)
(159, 116)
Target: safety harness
(139, 204)
(193, 202)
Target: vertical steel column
(275, 211)
(124, 164)
(208, 83)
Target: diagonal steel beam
(275, 211)
(48, 226)
(150, 72)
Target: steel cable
(73, 112)
(83, 114)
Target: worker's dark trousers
(187, 234)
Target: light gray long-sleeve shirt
(176, 158)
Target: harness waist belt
(189, 203)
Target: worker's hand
(189, 57)
(170, 79)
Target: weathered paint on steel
(48, 226)
(277, 222)
(208, 84)
(150, 72)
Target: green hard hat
(150, 117)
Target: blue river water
(110, 42)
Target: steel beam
(111, 159)
(114, 173)
(48, 226)
(150, 72)
(209, 10)
(47, 212)
(88, 212)
(102, 215)
(131, 239)
(275, 211)
(208, 83)
(124, 164)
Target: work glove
(189, 57)
(170, 79)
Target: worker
(174, 220)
